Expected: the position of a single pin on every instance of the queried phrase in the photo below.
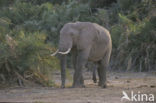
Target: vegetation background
(29, 33)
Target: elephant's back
(103, 36)
(102, 43)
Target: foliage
(25, 56)
(39, 2)
(98, 3)
(27, 53)
(56, 16)
(134, 39)
(21, 12)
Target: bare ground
(117, 82)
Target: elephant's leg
(94, 74)
(74, 58)
(102, 75)
(103, 65)
(81, 61)
(99, 72)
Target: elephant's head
(65, 43)
(68, 35)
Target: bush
(26, 57)
(134, 40)
(54, 17)
(20, 12)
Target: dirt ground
(117, 82)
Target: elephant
(86, 41)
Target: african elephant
(87, 42)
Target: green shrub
(27, 53)
(54, 17)
(135, 43)
(21, 12)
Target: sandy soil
(117, 82)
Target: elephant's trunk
(63, 70)
(66, 52)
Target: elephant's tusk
(65, 52)
(55, 53)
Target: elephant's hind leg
(102, 75)
(94, 75)
(103, 65)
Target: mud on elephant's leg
(81, 61)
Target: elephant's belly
(96, 53)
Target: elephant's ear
(75, 31)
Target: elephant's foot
(78, 85)
(103, 85)
(94, 80)
(62, 86)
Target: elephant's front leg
(81, 61)
(74, 58)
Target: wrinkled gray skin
(88, 42)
